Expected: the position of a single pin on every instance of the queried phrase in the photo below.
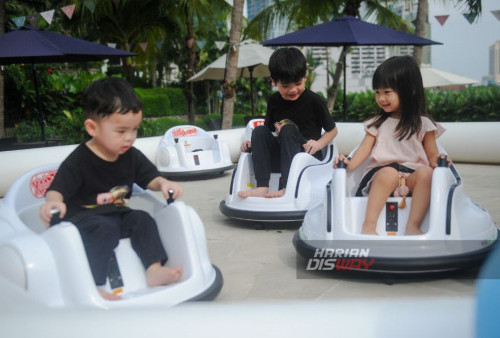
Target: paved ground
(260, 265)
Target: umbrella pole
(38, 106)
(344, 104)
(250, 69)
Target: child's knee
(259, 131)
(424, 173)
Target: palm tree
(126, 23)
(232, 63)
(298, 14)
(2, 106)
(472, 8)
(191, 16)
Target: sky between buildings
(465, 49)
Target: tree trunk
(2, 101)
(232, 64)
(420, 29)
(332, 92)
(191, 60)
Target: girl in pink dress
(400, 142)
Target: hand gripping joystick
(56, 218)
(442, 161)
(170, 198)
(341, 164)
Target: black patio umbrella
(32, 45)
(348, 31)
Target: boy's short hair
(107, 96)
(287, 65)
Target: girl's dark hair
(107, 96)
(402, 74)
(287, 65)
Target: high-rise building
(254, 7)
(494, 73)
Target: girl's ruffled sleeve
(428, 125)
(372, 130)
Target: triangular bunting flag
(441, 19)
(19, 21)
(90, 4)
(201, 44)
(143, 46)
(33, 19)
(159, 44)
(48, 15)
(68, 10)
(496, 14)
(469, 17)
(220, 44)
(112, 45)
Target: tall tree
(232, 63)
(126, 23)
(191, 15)
(2, 102)
(472, 8)
(298, 14)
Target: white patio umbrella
(435, 78)
(253, 60)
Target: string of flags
(48, 16)
(69, 10)
(468, 16)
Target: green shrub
(238, 119)
(158, 127)
(473, 104)
(165, 101)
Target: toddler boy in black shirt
(93, 182)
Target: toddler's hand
(340, 158)
(277, 126)
(45, 211)
(312, 146)
(245, 146)
(169, 185)
(435, 162)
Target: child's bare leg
(383, 184)
(419, 182)
(257, 192)
(108, 296)
(157, 274)
(278, 193)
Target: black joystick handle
(56, 217)
(341, 164)
(443, 161)
(170, 198)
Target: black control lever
(170, 198)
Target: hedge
(165, 101)
(473, 104)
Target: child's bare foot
(413, 231)
(369, 230)
(257, 192)
(158, 274)
(108, 296)
(275, 194)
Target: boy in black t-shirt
(92, 183)
(294, 102)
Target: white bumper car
(304, 189)
(458, 233)
(187, 151)
(51, 267)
